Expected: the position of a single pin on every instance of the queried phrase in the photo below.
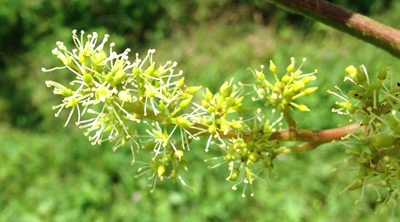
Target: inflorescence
(114, 98)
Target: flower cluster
(146, 106)
(111, 96)
(376, 148)
(284, 91)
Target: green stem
(289, 118)
(357, 25)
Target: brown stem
(347, 21)
(313, 137)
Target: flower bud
(72, 102)
(160, 170)
(237, 125)
(180, 82)
(379, 141)
(87, 78)
(234, 175)
(347, 106)
(178, 154)
(290, 67)
(135, 71)
(382, 74)
(272, 66)
(310, 90)
(286, 79)
(259, 75)
(254, 157)
(209, 95)
(192, 90)
(351, 71)
(297, 86)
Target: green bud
(209, 95)
(224, 125)
(290, 67)
(234, 175)
(211, 109)
(347, 106)
(356, 183)
(272, 66)
(361, 76)
(87, 78)
(310, 90)
(124, 95)
(119, 77)
(382, 74)
(297, 86)
(303, 108)
(288, 92)
(192, 90)
(237, 125)
(380, 141)
(182, 121)
(180, 82)
(178, 154)
(351, 71)
(109, 77)
(150, 70)
(161, 106)
(228, 157)
(308, 79)
(259, 75)
(135, 71)
(212, 129)
(185, 103)
(160, 170)
(286, 79)
(254, 157)
(101, 94)
(72, 102)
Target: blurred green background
(51, 173)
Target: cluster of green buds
(375, 106)
(284, 91)
(146, 106)
(111, 96)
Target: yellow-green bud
(160, 170)
(87, 78)
(150, 71)
(192, 90)
(290, 67)
(260, 75)
(310, 90)
(351, 71)
(234, 175)
(208, 95)
(347, 106)
(72, 102)
(135, 71)
(272, 66)
(297, 86)
(180, 82)
(178, 154)
(237, 125)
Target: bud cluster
(375, 105)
